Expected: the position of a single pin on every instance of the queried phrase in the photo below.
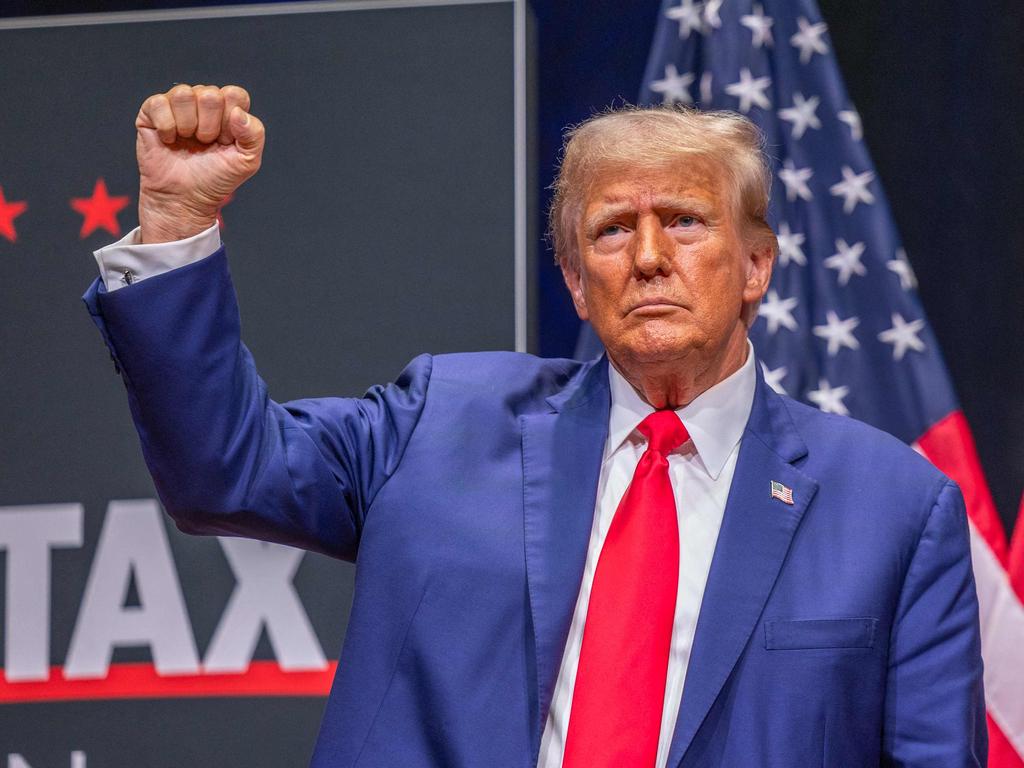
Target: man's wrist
(166, 222)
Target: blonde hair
(657, 137)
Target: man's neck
(676, 383)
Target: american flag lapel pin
(781, 492)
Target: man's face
(664, 270)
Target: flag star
(773, 377)
(711, 18)
(808, 39)
(801, 114)
(846, 260)
(789, 246)
(839, 333)
(828, 399)
(852, 119)
(901, 266)
(674, 87)
(689, 16)
(796, 180)
(853, 188)
(760, 26)
(705, 88)
(903, 336)
(750, 90)
(778, 311)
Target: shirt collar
(715, 419)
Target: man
(648, 559)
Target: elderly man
(650, 559)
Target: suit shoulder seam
(943, 484)
(405, 446)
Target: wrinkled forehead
(636, 181)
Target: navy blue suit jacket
(839, 631)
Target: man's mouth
(655, 304)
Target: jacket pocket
(791, 635)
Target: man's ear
(574, 282)
(760, 260)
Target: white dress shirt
(701, 472)
(130, 255)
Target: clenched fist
(195, 144)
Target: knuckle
(210, 97)
(155, 103)
(236, 94)
(180, 94)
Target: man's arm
(225, 458)
(934, 709)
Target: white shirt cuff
(128, 260)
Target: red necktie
(619, 695)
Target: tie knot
(664, 431)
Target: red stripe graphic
(141, 681)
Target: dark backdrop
(938, 88)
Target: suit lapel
(752, 545)
(562, 453)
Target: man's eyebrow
(609, 209)
(612, 207)
(683, 202)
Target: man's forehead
(692, 178)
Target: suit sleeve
(225, 458)
(934, 708)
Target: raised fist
(195, 145)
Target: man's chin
(652, 349)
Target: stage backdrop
(393, 176)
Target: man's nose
(653, 249)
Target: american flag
(842, 327)
(781, 492)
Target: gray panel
(381, 226)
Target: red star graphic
(8, 213)
(100, 210)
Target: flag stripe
(1001, 753)
(1002, 633)
(1016, 564)
(949, 445)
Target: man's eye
(611, 229)
(685, 221)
